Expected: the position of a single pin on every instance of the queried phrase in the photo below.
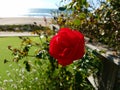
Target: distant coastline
(29, 17)
(32, 12)
(39, 12)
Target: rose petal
(67, 46)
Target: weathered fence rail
(109, 78)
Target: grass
(6, 54)
(16, 74)
(41, 76)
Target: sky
(20, 6)
(28, 3)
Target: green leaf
(27, 66)
(39, 55)
(62, 8)
(82, 16)
(77, 22)
(108, 0)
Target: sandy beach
(23, 20)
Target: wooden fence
(109, 77)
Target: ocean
(38, 12)
(31, 12)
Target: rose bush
(67, 46)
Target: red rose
(67, 46)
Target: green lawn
(6, 54)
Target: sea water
(31, 12)
(38, 12)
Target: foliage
(100, 24)
(24, 27)
(42, 72)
